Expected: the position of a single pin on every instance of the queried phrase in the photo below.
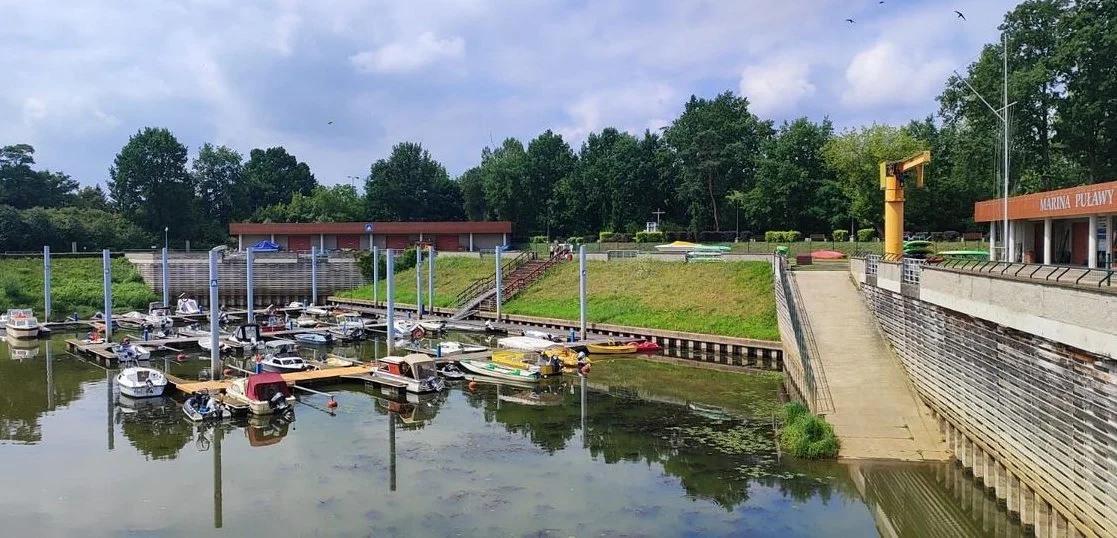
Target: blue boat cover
(265, 246)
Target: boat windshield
(424, 370)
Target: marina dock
(301, 378)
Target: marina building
(327, 236)
(1072, 226)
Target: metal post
(993, 241)
(1047, 232)
(430, 279)
(419, 281)
(499, 283)
(166, 279)
(214, 318)
(390, 318)
(1005, 205)
(391, 451)
(1092, 242)
(46, 283)
(249, 300)
(582, 288)
(106, 261)
(313, 276)
(376, 276)
(582, 378)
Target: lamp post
(166, 236)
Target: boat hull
(28, 332)
(268, 367)
(133, 389)
(413, 385)
(513, 359)
(500, 372)
(606, 349)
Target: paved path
(876, 413)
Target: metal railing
(1061, 274)
(481, 285)
(790, 302)
(872, 264)
(911, 270)
(621, 254)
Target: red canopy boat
(647, 346)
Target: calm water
(75, 461)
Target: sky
(81, 76)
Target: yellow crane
(892, 177)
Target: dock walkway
(310, 376)
(876, 412)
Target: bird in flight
(960, 15)
(849, 21)
(331, 122)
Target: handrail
(487, 282)
(1062, 274)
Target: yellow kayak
(568, 357)
(527, 360)
(610, 349)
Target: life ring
(418, 332)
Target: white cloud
(886, 75)
(631, 108)
(408, 55)
(776, 86)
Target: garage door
(298, 243)
(352, 242)
(446, 242)
(397, 241)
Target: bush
(405, 261)
(841, 235)
(576, 240)
(951, 235)
(772, 237)
(716, 237)
(650, 237)
(622, 238)
(536, 239)
(866, 234)
(782, 237)
(807, 436)
(793, 236)
(589, 238)
(676, 236)
(605, 236)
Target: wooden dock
(295, 378)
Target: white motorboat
(158, 315)
(248, 335)
(315, 339)
(347, 333)
(129, 352)
(542, 335)
(306, 321)
(130, 319)
(449, 371)
(445, 349)
(141, 381)
(433, 325)
(187, 307)
(409, 328)
(21, 324)
(282, 356)
(526, 343)
(264, 394)
(492, 369)
(416, 370)
(353, 319)
(296, 304)
(206, 343)
(316, 311)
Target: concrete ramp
(876, 413)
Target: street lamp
(166, 230)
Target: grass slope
(452, 274)
(756, 395)
(730, 298)
(76, 286)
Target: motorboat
(445, 349)
(352, 319)
(450, 371)
(347, 333)
(316, 339)
(206, 343)
(264, 394)
(683, 247)
(491, 369)
(407, 327)
(611, 349)
(316, 311)
(306, 321)
(202, 406)
(296, 305)
(542, 335)
(647, 346)
(272, 324)
(187, 307)
(282, 356)
(525, 343)
(533, 361)
(137, 381)
(568, 357)
(335, 361)
(432, 325)
(158, 315)
(131, 319)
(248, 335)
(129, 352)
(21, 324)
(416, 370)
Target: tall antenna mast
(1009, 247)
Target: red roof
(379, 228)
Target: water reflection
(33, 386)
(154, 426)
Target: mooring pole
(314, 276)
(375, 276)
(391, 451)
(214, 317)
(499, 284)
(218, 495)
(419, 281)
(249, 300)
(166, 279)
(582, 378)
(582, 289)
(390, 267)
(430, 279)
(106, 261)
(46, 282)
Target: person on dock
(581, 362)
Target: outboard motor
(277, 400)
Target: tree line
(716, 167)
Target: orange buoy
(180, 357)
(228, 371)
(331, 404)
(472, 385)
(586, 369)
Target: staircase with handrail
(517, 274)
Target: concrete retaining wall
(1034, 419)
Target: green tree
(471, 184)
(219, 173)
(410, 185)
(272, 176)
(149, 182)
(549, 160)
(854, 157)
(790, 179)
(92, 198)
(23, 187)
(339, 203)
(1087, 115)
(717, 143)
(504, 173)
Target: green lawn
(729, 298)
(76, 286)
(756, 395)
(452, 274)
(761, 247)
